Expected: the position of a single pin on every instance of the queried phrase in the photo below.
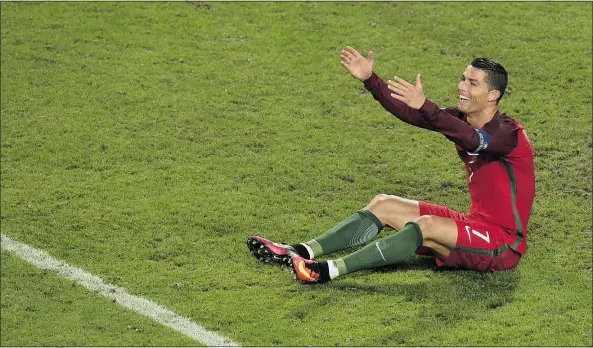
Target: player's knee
(381, 197)
(437, 234)
(393, 211)
(425, 222)
(377, 206)
(432, 230)
(381, 203)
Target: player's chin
(463, 107)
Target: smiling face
(474, 93)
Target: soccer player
(498, 159)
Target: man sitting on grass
(498, 159)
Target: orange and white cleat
(309, 271)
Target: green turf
(41, 309)
(143, 142)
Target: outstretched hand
(357, 65)
(412, 95)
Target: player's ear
(493, 95)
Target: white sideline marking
(94, 283)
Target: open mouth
(463, 99)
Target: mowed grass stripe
(120, 295)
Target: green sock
(385, 251)
(358, 229)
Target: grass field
(144, 142)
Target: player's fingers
(346, 54)
(396, 81)
(345, 65)
(404, 82)
(353, 51)
(398, 97)
(397, 84)
(396, 87)
(418, 82)
(346, 57)
(398, 90)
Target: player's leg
(437, 233)
(457, 243)
(358, 229)
(394, 211)
(364, 225)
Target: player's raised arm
(500, 140)
(362, 69)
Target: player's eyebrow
(469, 78)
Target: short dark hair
(496, 75)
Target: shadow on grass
(450, 293)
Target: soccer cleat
(308, 271)
(267, 251)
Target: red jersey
(498, 159)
